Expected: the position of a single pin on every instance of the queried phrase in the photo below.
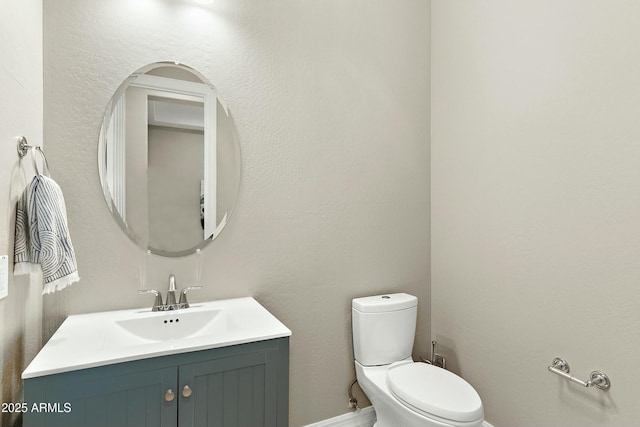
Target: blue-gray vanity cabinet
(245, 385)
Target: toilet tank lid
(384, 303)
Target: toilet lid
(435, 391)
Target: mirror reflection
(169, 159)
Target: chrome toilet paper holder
(598, 379)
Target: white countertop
(97, 339)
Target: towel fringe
(61, 283)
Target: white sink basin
(97, 339)
(171, 325)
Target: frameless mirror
(169, 159)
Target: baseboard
(362, 418)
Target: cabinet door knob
(169, 395)
(186, 391)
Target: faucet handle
(183, 295)
(157, 304)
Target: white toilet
(405, 393)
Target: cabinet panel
(111, 399)
(230, 392)
(238, 386)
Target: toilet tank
(383, 328)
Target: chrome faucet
(170, 302)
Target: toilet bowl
(405, 393)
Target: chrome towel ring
(23, 149)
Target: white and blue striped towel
(42, 238)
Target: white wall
(20, 114)
(536, 204)
(330, 98)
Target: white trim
(486, 424)
(179, 89)
(362, 418)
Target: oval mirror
(169, 159)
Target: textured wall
(20, 114)
(536, 204)
(331, 102)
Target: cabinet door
(106, 400)
(238, 391)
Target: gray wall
(535, 204)
(20, 114)
(331, 102)
(176, 162)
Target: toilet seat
(434, 392)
